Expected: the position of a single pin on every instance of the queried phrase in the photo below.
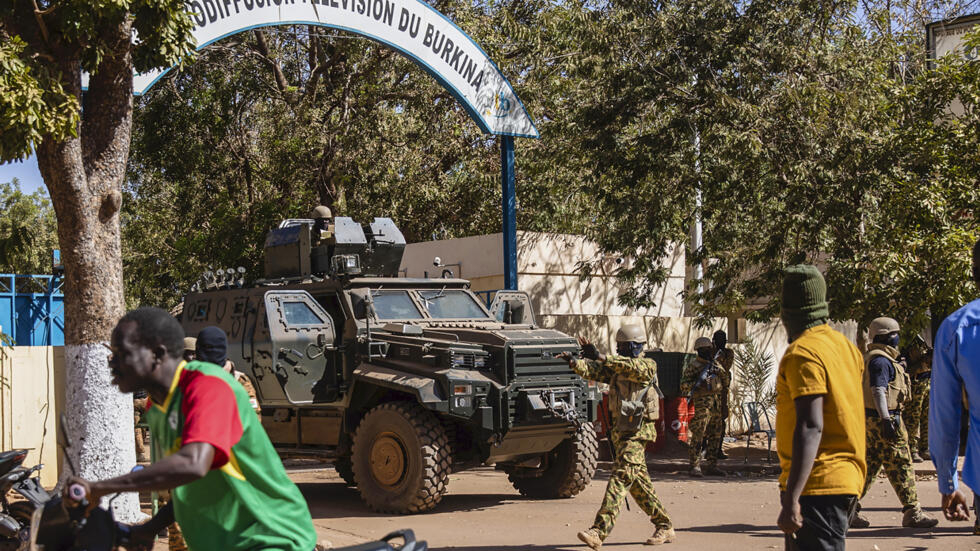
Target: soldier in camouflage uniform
(706, 393)
(632, 382)
(886, 388)
(719, 423)
(919, 358)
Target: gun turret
(341, 247)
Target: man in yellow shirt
(819, 419)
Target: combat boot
(860, 521)
(661, 535)
(696, 472)
(925, 455)
(916, 458)
(916, 518)
(591, 538)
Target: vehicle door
(302, 336)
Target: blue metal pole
(509, 198)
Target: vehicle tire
(570, 468)
(401, 458)
(21, 511)
(345, 468)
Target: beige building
(547, 269)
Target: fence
(32, 310)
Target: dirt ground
(482, 512)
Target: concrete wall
(31, 400)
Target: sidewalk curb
(770, 468)
(682, 468)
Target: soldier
(322, 223)
(190, 349)
(719, 423)
(634, 401)
(919, 357)
(139, 406)
(703, 382)
(212, 346)
(886, 388)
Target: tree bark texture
(84, 177)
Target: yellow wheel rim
(388, 459)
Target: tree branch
(262, 47)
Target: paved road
(483, 513)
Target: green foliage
(810, 133)
(32, 104)
(44, 46)
(28, 231)
(810, 138)
(754, 371)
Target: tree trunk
(84, 177)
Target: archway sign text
(412, 27)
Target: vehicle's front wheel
(401, 458)
(568, 470)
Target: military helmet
(703, 342)
(631, 333)
(321, 212)
(882, 326)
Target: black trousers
(825, 522)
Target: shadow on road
(566, 547)
(335, 499)
(899, 532)
(748, 529)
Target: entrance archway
(418, 31)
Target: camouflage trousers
(629, 476)
(894, 457)
(705, 429)
(916, 416)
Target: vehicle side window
(298, 313)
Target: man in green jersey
(229, 488)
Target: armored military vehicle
(398, 381)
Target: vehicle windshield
(395, 305)
(443, 304)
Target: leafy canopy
(39, 38)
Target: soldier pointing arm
(634, 406)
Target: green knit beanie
(804, 302)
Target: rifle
(612, 449)
(703, 376)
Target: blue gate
(32, 310)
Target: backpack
(633, 403)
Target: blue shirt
(881, 371)
(956, 366)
